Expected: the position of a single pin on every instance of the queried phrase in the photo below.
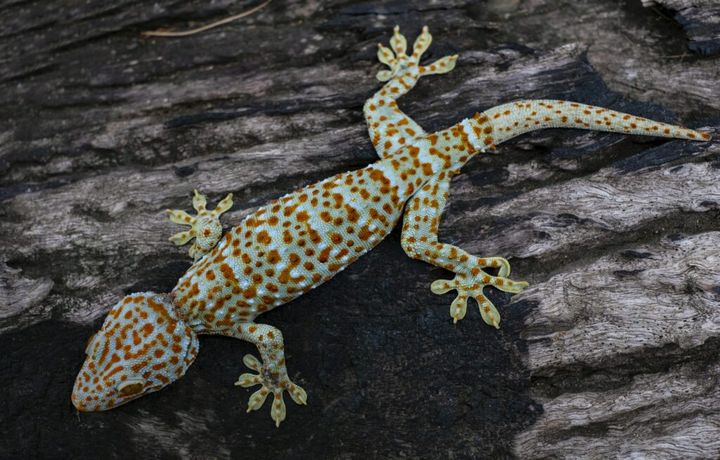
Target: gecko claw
(205, 228)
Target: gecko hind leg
(388, 126)
(205, 228)
(271, 372)
(420, 241)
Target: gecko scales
(303, 239)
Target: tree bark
(612, 351)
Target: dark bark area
(613, 351)
(699, 19)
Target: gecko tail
(518, 117)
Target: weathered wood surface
(613, 351)
(700, 19)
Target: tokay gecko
(303, 239)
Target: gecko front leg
(271, 373)
(420, 241)
(205, 228)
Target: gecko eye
(130, 387)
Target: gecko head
(142, 347)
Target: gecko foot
(272, 381)
(205, 228)
(470, 283)
(402, 65)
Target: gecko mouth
(88, 396)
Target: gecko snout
(142, 347)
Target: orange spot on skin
(138, 367)
(294, 259)
(480, 118)
(194, 290)
(147, 329)
(249, 293)
(323, 256)
(114, 371)
(228, 273)
(263, 237)
(364, 234)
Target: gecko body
(303, 239)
